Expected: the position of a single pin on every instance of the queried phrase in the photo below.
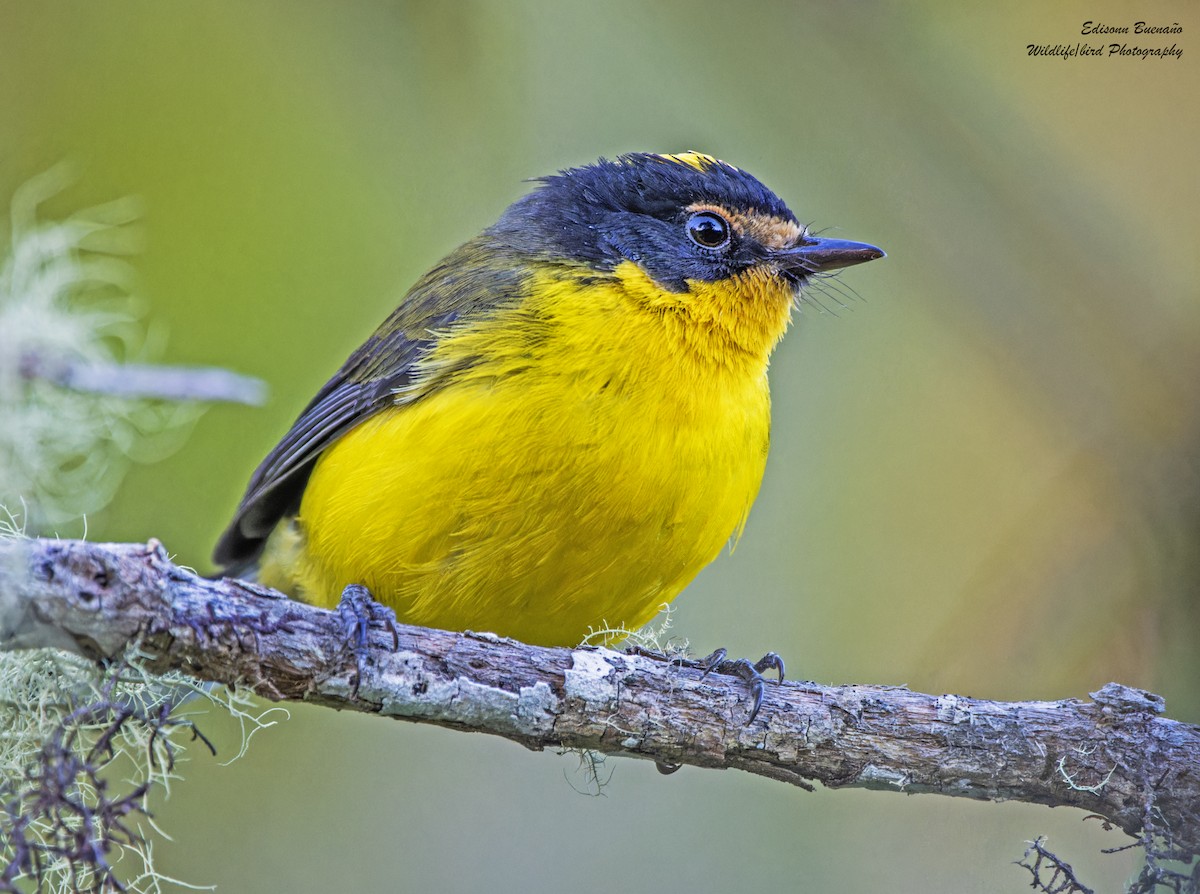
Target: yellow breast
(571, 463)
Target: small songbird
(561, 423)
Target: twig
(1062, 878)
(143, 380)
(1113, 756)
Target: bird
(561, 423)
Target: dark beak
(818, 255)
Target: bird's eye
(708, 229)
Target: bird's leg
(358, 610)
(678, 658)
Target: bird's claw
(719, 663)
(358, 610)
(743, 669)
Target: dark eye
(708, 229)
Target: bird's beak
(818, 255)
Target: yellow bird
(562, 422)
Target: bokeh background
(984, 476)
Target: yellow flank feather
(641, 421)
(561, 423)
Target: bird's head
(683, 220)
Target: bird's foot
(358, 611)
(719, 663)
(751, 674)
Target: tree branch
(1113, 756)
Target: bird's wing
(468, 284)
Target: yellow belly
(551, 490)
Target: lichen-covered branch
(1114, 755)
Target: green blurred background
(984, 477)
